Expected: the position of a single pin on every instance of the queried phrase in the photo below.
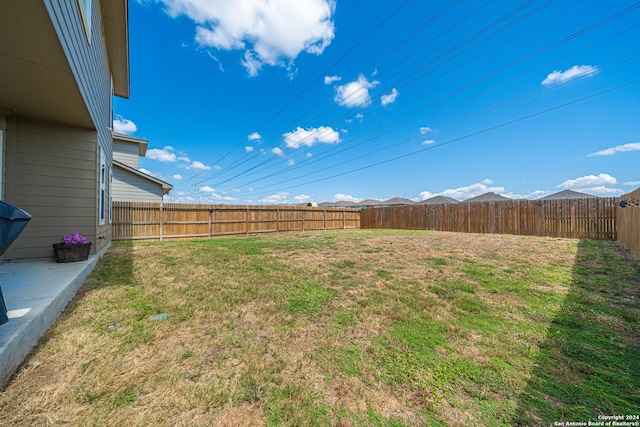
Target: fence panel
(629, 221)
(572, 218)
(159, 221)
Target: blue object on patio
(12, 221)
(3, 310)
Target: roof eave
(166, 187)
(116, 27)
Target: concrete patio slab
(35, 291)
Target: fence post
(324, 227)
(303, 212)
(161, 221)
(247, 223)
(344, 219)
(211, 215)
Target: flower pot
(71, 253)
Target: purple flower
(73, 239)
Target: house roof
(369, 202)
(438, 200)
(142, 143)
(487, 197)
(568, 194)
(166, 187)
(398, 201)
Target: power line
(521, 60)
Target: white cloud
(309, 155)
(210, 192)
(254, 136)
(252, 64)
(389, 98)
(207, 189)
(426, 195)
(165, 154)
(184, 159)
(601, 190)
(311, 136)
(536, 194)
(291, 162)
(632, 146)
(466, 192)
(278, 151)
(248, 149)
(588, 181)
(360, 116)
(199, 166)
(425, 130)
(301, 198)
(330, 79)
(275, 198)
(177, 177)
(122, 125)
(271, 32)
(558, 76)
(355, 93)
(631, 183)
(345, 198)
(428, 141)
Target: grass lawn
(353, 328)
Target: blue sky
(290, 101)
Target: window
(85, 11)
(103, 188)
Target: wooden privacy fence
(629, 221)
(571, 218)
(156, 221)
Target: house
(129, 183)
(567, 194)
(487, 197)
(62, 61)
(438, 200)
(397, 201)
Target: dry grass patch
(350, 328)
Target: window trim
(102, 189)
(85, 12)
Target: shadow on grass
(589, 362)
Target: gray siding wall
(53, 177)
(128, 187)
(89, 64)
(127, 153)
(52, 170)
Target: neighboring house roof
(568, 194)
(438, 200)
(142, 143)
(166, 187)
(487, 197)
(398, 201)
(369, 202)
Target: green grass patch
(307, 297)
